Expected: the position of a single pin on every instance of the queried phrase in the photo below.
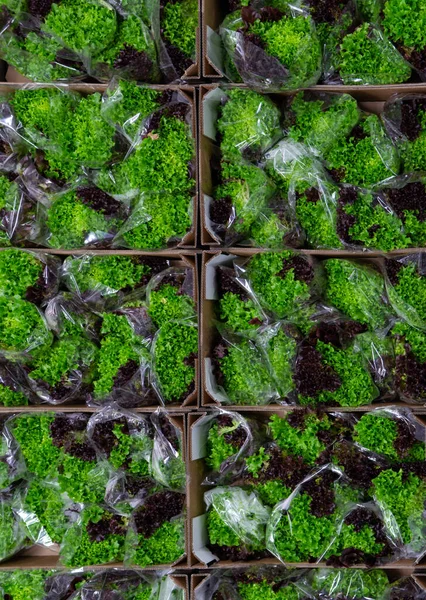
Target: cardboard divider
(370, 98)
(394, 574)
(177, 259)
(199, 554)
(188, 92)
(208, 333)
(41, 557)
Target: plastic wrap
(25, 332)
(13, 536)
(240, 512)
(67, 315)
(403, 116)
(270, 49)
(84, 216)
(241, 374)
(156, 535)
(167, 462)
(367, 57)
(239, 310)
(178, 28)
(405, 281)
(365, 156)
(405, 194)
(14, 207)
(125, 491)
(282, 282)
(354, 584)
(410, 359)
(92, 276)
(247, 125)
(29, 275)
(96, 537)
(330, 370)
(394, 433)
(230, 439)
(123, 438)
(13, 391)
(12, 466)
(320, 120)
(358, 291)
(367, 220)
(35, 54)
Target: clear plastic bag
(271, 49)
(405, 281)
(247, 125)
(29, 275)
(358, 291)
(13, 536)
(13, 389)
(230, 439)
(410, 359)
(101, 216)
(12, 465)
(329, 369)
(14, 206)
(123, 438)
(156, 535)
(167, 461)
(367, 57)
(240, 511)
(67, 315)
(354, 584)
(320, 120)
(125, 491)
(403, 117)
(366, 220)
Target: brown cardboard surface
(394, 574)
(208, 330)
(197, 472)
(370, 98)
(40, 557)
(189, 92)
(178, 259)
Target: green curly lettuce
(48, 505)
(247, 122)
(404, 496)
(69, 221)
(18, 271)
(167, 304)
(266, 591)
(165, 546)
(239, 314)
(365, 156)
(218, 449)
(355, 583)
(407, 295)
(85, 27)
(318, 125)
(11, 397)
(366, 56)
(22, 327)
(276, 286)
(179, 25)
(405, 22)
(12, 533)
(175, 346)
(32, 432)
(357, 291)
(131, 452)
(22, 584)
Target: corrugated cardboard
(370, 98)
(178, 259)
(189, 92)
(199, 555)
(208, 298)
(39, 557)
(394, 574)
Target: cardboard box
(208, 332)
(187, 91)
(394, 574)
(199, 554)
(41, 557)
(370, 98)
(177, 259)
